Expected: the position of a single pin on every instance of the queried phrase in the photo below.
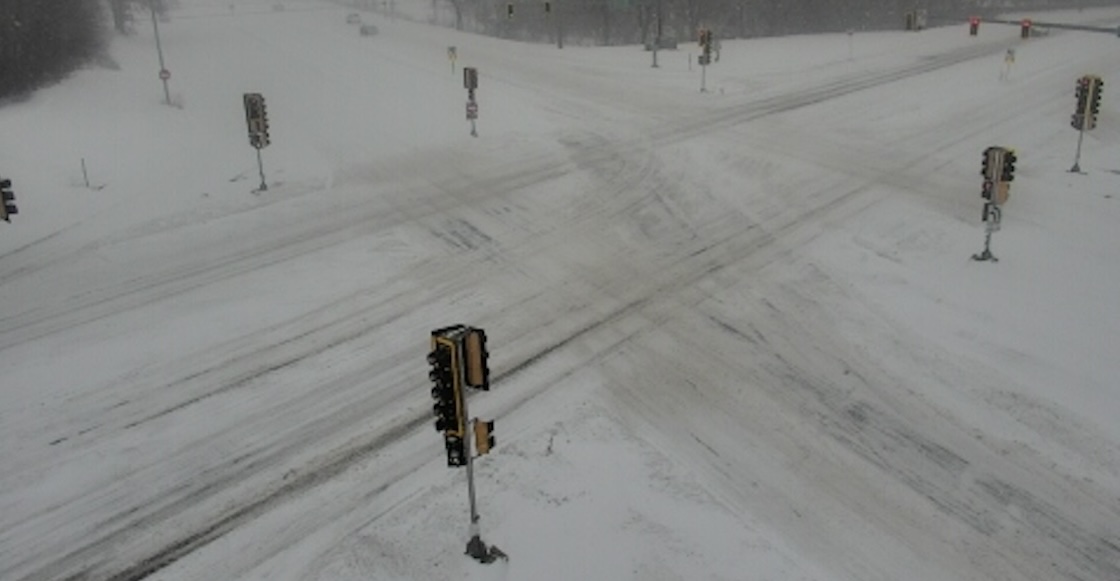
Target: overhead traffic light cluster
(458, 360)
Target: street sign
(451, 53)
(472, 110)
(164, 74)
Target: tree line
(614, 22)
(43, 40)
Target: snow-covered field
(735, 334)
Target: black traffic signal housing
(1084, 86)
(470, 78)
(447, 396)
(986, 167)
(1097, 85)
(456, 451)
(483, 436)
(987, 189)
(7, 200)
(446, 392)
(256, 117)
(548, 7)
(1007, 172)
(265, 140)
(509, 11)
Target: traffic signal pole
(465, 367)
(260, 167)
(1077, 158)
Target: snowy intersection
(735, 334)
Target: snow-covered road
(735, 334)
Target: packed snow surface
(735, 333)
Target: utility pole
(164, 75)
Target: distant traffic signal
(7, 200)
(445, 387)
(256, 118)
(1097, 85)
(1007, 173)
(456, 451)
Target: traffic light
(447, 395)
(7, 201)
(548, 7)
(973, 25)
(1095, 98)
(456, 451)
(264, 125)
(256, 117)
(1007, 173)
(986, 169)
(986, 190)
(509, 11)
(445, 387)
(475, 358)
(483, 436)
(470, 78)
(1083, 88)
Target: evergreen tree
(43, 40)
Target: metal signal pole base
(260, 166)
(478, 550)
(986, 255)
(483, 554)
(1076, 169)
